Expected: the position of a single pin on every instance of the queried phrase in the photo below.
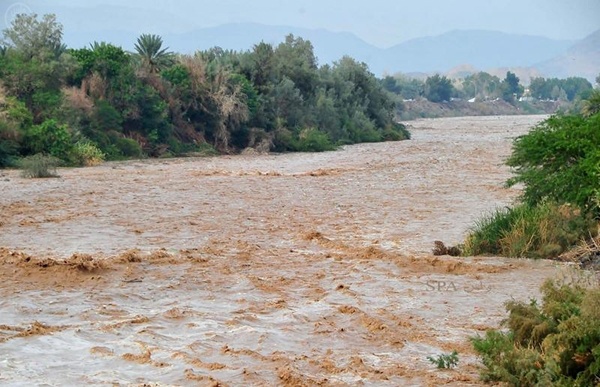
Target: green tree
(159, 102)
(511, 88)
(327, 115)
(295, 59)
(438, 88)
(288, 103)
(153, 56)
(540, 88)
(34, 38)
(559, 160)
(103, 59)
(575, 86)
(258, 66)
(365, 92)
(35, 65)
(410, 88)
(390, 84)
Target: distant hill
(481, 49)
(486, 50)
(491, 51)
(581, 59)
(329, 46)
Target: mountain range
(479, 49)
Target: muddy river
(294, 269)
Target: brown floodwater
(293, 269)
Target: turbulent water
(295, 269)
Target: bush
(86, 154)
(128, 147)
(369, 135)
(51, 138)
(559, 160)
(8, 153)
(9, 143)
(542, 231)
(39, 165)
(444, 361)
(557, 344)
(313, 140)
(283, 140)
(396, 132)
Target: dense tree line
(560, 89)
(86, 103)
(483, 86)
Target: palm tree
(154, 57)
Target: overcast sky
(379, 22)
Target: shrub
(313, 140)
(51, 138)
(369, 135)
(39, 165)
(8, 153)
(556, 344)
(178, 148)
(542, 231)
(559, 160)
(444, 361)
(128, 147)
(86, 154)
(391, 135)
(283, 140)
(9, 143)
(396, 132)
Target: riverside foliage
(154, 102)
(558, 165)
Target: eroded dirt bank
(259, 270)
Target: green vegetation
(101, 102)
(557, 344)
(86, 154)
(438, 88)
(39, 166)
(544, 230)
(559, 160)
(565, 89)
(558, 165)
(485, 94)
(592, 105)
(444, 361)
(510, 88)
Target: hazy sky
(379, 22)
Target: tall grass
(542, 231)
